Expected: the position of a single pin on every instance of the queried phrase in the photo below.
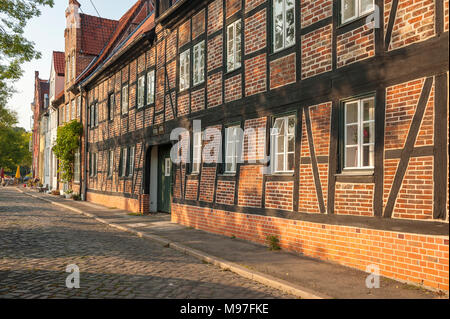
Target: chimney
(73, 15)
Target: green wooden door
(164, 179)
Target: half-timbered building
(333, 118)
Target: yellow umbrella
(18, 172)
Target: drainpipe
(84, 180)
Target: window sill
(346, 23)
(282, 174)
(227, 175)
(357, 172)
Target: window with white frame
(197, 152)
(130, 166)
(93, 164)
(123, 162)
(283, 144)
(73, 67)
(96, 114)
(359, 133)
(111, 106)
(125, 99)
(76, 166)
(74, 109)
(283, 24)
(78, 106)
(184, 70)
(151, 87)
(353, 9)
(141, 92)
(67, 113)
(232, 144)
(110, 163)
(234, 51)
(199, 63)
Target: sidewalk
(299, 275)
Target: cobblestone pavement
(38, 241)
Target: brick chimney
(73, 15)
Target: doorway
(159, 178)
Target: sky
(47, 32)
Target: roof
(136, 14)
(59, 62)
(96, 32)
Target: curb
(254, 275)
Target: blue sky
(47, 32)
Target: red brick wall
(414, 22)
(183, 104)
(198, 100)
(250, 186)
(233, 88)
(355, 45)
(251, 4)
(215, 52)
(255, 75)
(279, 195)
(198, 24)
(401, 103)
(225, 192)
(354, 199)
(255, 32)
(215, 89)
(254, 143)
(191, 188)
(283, 71)
(207, 184)
(215, 16)
(184, 33)
(445, 15)
(418, 259)
(129, 204)
(313, 11)
(233, 6)
(317, 51)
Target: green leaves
(67, 143)
(14, 148)
(15, 49)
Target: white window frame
(79, 106)
(360, 143)
(234, 46)
(358, 10)
(151, 87)
(67, 110)
(111, 163)
(199, 68)
(124, 104)
(141, 92)
(284, 46)
(111, 106)
(168, 167)
(124, 161)
(197, 152)
(232, 144)
(76, 166)
(185, 60)
(131, 160)
(274, 136)
(74, 110)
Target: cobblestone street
(38, 241)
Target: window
(67, 69)
(78, 106)
(74, 110)
(130, 164)
(111, 106)
(141, 92)
(91, 116)
(151, 87)
(184, 70)
(197, 153)
(283, 144)
(123, 162)
(67, 113)
(234, 50)
(73, 67)
(199, 63)
(283, 24)
(76, 167)
(96, 114)
(359, 134)
(232, 144)
(92, 164)
(125, 99)
(110, 163)
(168, 167)
(353, 9)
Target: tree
(67, 143)
(14, 148)
(15, 49)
